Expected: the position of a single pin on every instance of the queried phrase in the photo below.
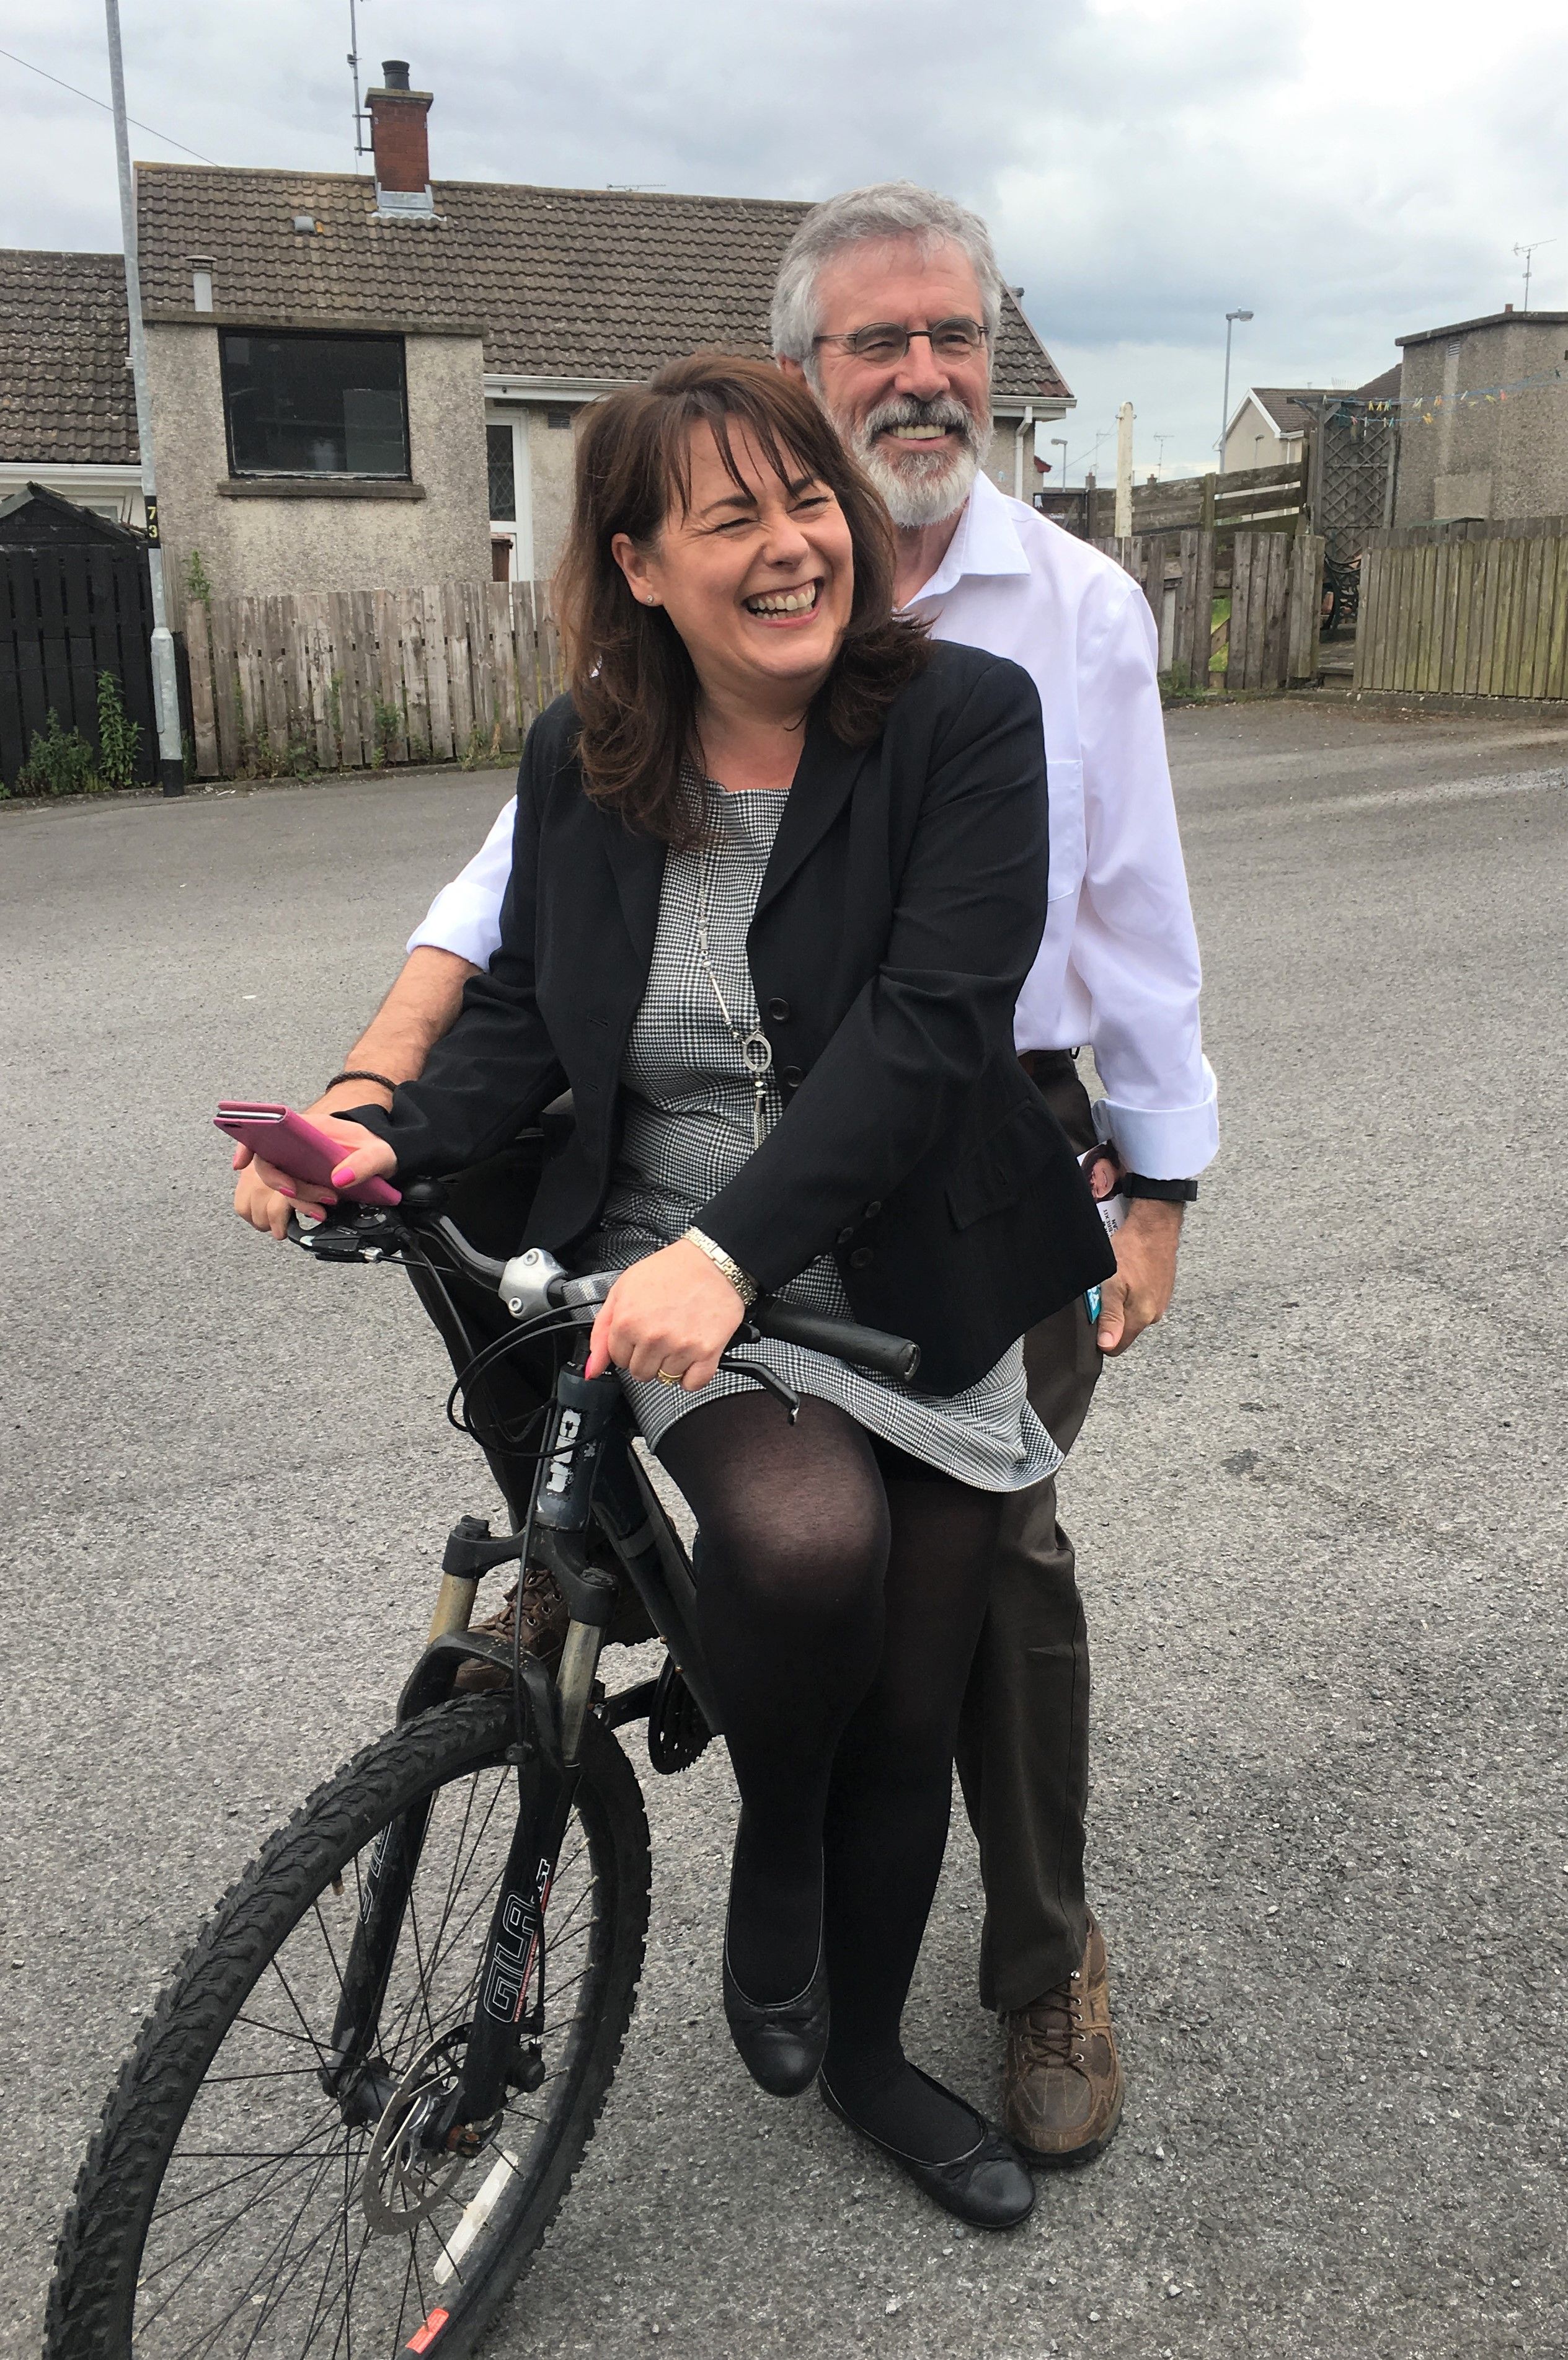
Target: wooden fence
(355, 679)
(1467, 610)
(345, 679)
(1235, 611)
(1250, 497)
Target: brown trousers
(1023, 1743)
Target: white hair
(861, 216)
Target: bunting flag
(1426, 406)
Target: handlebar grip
(787, 1323)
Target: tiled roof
(1294, 406)
(570, 283)
(65, 391)
(1381, 389)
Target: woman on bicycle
(779, 872)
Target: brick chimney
(399, 141)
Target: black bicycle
(350, 2115)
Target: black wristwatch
(1163, 1192)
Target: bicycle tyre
(93, 2311)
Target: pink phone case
(291, 1144)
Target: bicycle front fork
(500, 2045)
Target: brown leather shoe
(545, 1617)
(1061, 2079)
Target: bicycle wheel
(225, 2207)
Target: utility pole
(165, 677)
(1123, 471)
(1230, 319)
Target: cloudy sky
(1146, 165)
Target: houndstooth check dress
(689, 1110)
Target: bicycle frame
(588, 1476)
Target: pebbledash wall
(252, 537)
(1477, 457)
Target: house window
(315, 405)
(503, 472)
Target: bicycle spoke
(258, 2245)
(327, 1939)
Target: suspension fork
(493, 2054)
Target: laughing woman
(779, 872)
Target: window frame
(320, 475)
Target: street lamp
(1059, 442)
(1230, 319)
(165, 676)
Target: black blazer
(900, 914)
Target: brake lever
(346, 1233)
(760, 1374)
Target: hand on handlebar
(671, 1314)
(266, 1197)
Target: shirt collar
(986, 541)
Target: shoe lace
(1050, 2031)
(536, 1598)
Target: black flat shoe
(987, 2186)
(781, 2044)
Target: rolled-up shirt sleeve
(465, 916)
(1135, 950)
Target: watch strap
(1161, 1192)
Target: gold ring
(665, 1378)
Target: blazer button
(872, 1209)
(861, 1258)
(778, 1009)
(844, 1237)
(792, 1077)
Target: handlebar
(534, 1283)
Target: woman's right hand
(265, 1197)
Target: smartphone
(291, 1144)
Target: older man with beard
(889, 302)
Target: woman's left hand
(668, 1316)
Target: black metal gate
(71, 609)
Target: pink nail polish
(284, 1190)
(343, 1176)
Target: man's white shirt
(1118, 964)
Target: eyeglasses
(950, 340)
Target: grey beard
(918, 490)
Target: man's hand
(672, 1315)
(1145, 1247)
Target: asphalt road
(1320, 1518)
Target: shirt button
(778, 1009)
(861, 1258)
(792, 1077)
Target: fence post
(203, 712)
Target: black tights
(840, 1607)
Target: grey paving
(1320, 1518)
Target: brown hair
(627, 669)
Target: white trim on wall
(113, 491)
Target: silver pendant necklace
(755, 1048)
